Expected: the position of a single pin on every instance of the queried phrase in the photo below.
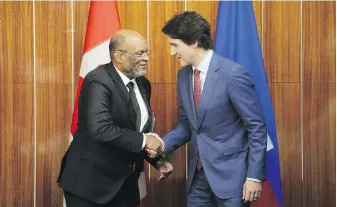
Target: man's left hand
(165, 169)
(251, 191)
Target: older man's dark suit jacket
(106, 148)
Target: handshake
(154, 145)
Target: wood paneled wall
(40, 55)
(17, 126)
(282, 55)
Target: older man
(104, 161)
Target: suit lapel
(146, 100)
(207, 92)
(144, 94)
(187, 91)
(123, 92)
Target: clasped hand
(154, 146)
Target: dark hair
(190, 27)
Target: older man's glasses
(139, 53)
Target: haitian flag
(237, 39)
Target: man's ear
(117, 55)
(195, 45)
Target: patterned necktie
(197, 89)
(134, 101)
(197, 97)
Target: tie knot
(196, 71)
(130, 85)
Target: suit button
(132, 165)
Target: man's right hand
(154, 145)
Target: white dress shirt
(143, 109)
(203, 68)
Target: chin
(140, 73)
(183, 63)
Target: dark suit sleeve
(154, 161)
(97, 119)
(244, 99)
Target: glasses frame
(147, 52)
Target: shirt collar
(204, 65)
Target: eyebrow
(141, 51)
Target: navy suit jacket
(228, 131)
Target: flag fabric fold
(103, 22)
(237, 39)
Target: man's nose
(173, 51)
(145, 57)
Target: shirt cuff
(144, 141)
(253, 179)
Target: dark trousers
(127, 196)
(201, 194)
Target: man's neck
(199, 57)
(128, 75)
(121, 69)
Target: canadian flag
(103, 22)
